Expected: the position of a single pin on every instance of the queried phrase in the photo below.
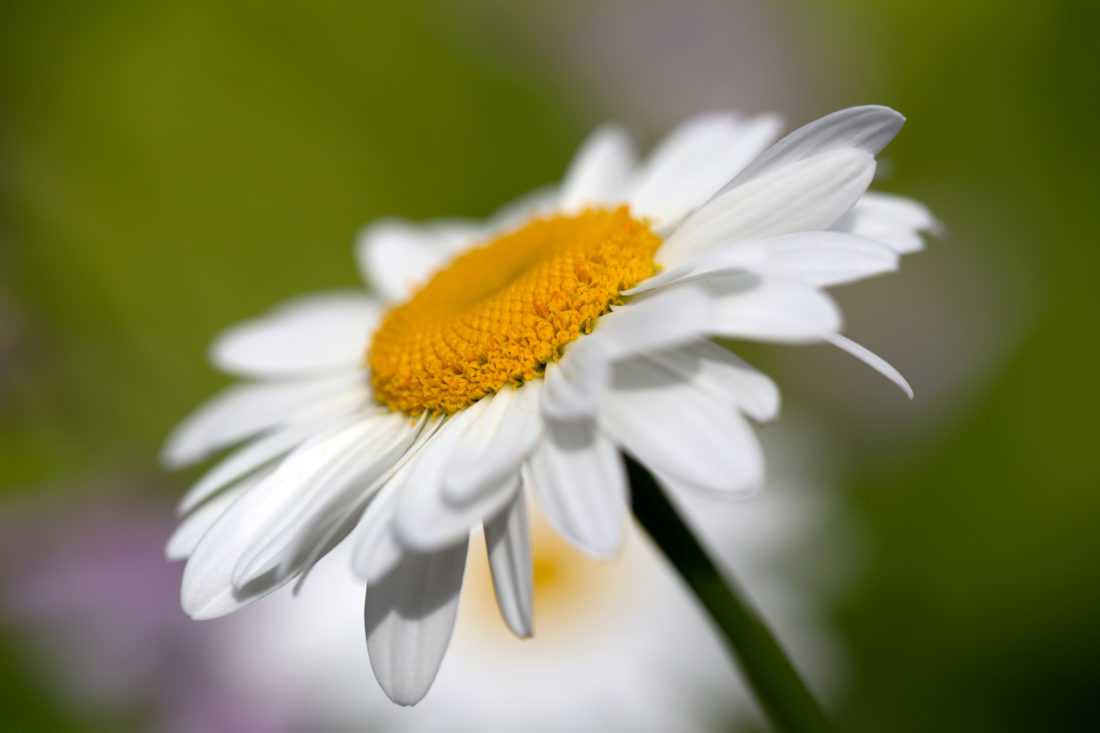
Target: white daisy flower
(528, 351)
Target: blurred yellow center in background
(500, 312)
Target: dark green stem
(777, 686)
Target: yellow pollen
(500, 312)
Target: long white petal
(694, 161)
(397, 257)
(722, 375)
(258, 452)
(193, 526)
(820, 258)
(868, 128)
(376, 550)
(805, 195)
(361, 460)
(309, 335)
(427, 516)
(207, 589)
(575, 384)
(508, 541)
(580, 483)
(599, 171)
(374, 510)
(663, 320)
(895, 221)
(678, 429)
(781, 311)
(493, 447)
(872, 360)
(243, 410)
(409, 616)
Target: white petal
(872, 360)
(783, 311)
(575, 384)
(509, 544)
(492, 448)
(675, 428)
(599, 170)
(893, 220)
(374, 512)
(193, 526)
(726, 378)
(376, 551)
(308, 335)
(580, 482)
(409, 616)
(661, 321)
(427, 518)
(826, 258)
(208, 590)
(243, 410)
(869, 128)
(258, 452)
(802, 196)
(694, 161)
(398, 257)
(820, 258)
(360, 459)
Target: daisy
(522, 356)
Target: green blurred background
(169, 168)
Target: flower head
(522, 356)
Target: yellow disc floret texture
(497, 314)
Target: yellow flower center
(500, 312)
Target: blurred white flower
(530, 350)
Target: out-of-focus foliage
(169, 168)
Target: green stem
(777, 686)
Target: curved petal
(820, 258)
(208, 590)
(782, 311)
(869, 128)
(309, 335)
(492, 448)
(661, 321)
(427, 516)
(872, 360)
(193, 526)
(694, 161)
(360, 460)
(599, 171)
(806, 181)
(259, 452)
(409, 616)
(805, 195)
(397, 257)
(575, 384)
(508, 541)
(895, 221)
(677, 429)
(723, 376)
(243, 410)
(580, 483)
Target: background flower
(164, 165)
